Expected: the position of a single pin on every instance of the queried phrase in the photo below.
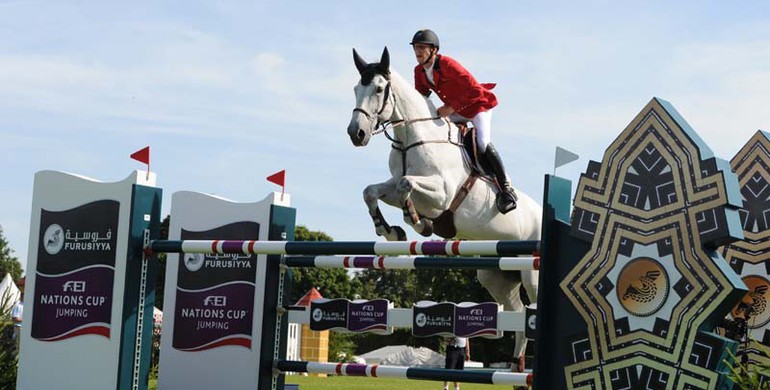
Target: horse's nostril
(361, 134)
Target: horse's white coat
(434, 174)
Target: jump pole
(380, 248)
(429, 374)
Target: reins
(382, 127)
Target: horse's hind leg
(387, 193)
(504, 288)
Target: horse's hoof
(427, 229)
(521, 364)
(400, 233)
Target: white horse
(427, 172)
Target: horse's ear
(385, 60)
(360, 63)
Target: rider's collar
(435, 65)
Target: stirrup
(506, 200)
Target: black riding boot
(506, 198)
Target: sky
(228, 92)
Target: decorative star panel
(653, 210)
(750, 258)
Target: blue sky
(229, 92)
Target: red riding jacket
(456, 87)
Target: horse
(428, 172)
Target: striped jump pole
(414, 262)
(429, 374)
(379, 248)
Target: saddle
(443, 225)
(468, 137)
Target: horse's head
(374, 100)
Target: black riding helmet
(427, 37)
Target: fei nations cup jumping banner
(215, 306)
(86, 278)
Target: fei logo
(477, 312)
(75, 285)
(421, 319)
(215, 300)
(53, 239)
(318, 315)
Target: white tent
(9, 294)
(402, 355)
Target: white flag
(563, 156)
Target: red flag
(278, 178)
(142, 155)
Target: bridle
(382, 126)
(384, 104)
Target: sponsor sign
(329, 314)
(476, 320)
(75, 271)
(215, 293)
(368, 315)
(433, 319)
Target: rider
(464, 100)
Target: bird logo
(753, 306)
(642, 286)
(645, 290)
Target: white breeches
(483, 124)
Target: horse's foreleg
(429, 191)
(386, 192)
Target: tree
(8, 355)
(8, 262)
(331, 283)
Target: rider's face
(422, 52)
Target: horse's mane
(410, 102)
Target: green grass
(357, 383)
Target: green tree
(331, 283)
(8, 356)
(8, 262)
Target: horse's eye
(380, 89)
